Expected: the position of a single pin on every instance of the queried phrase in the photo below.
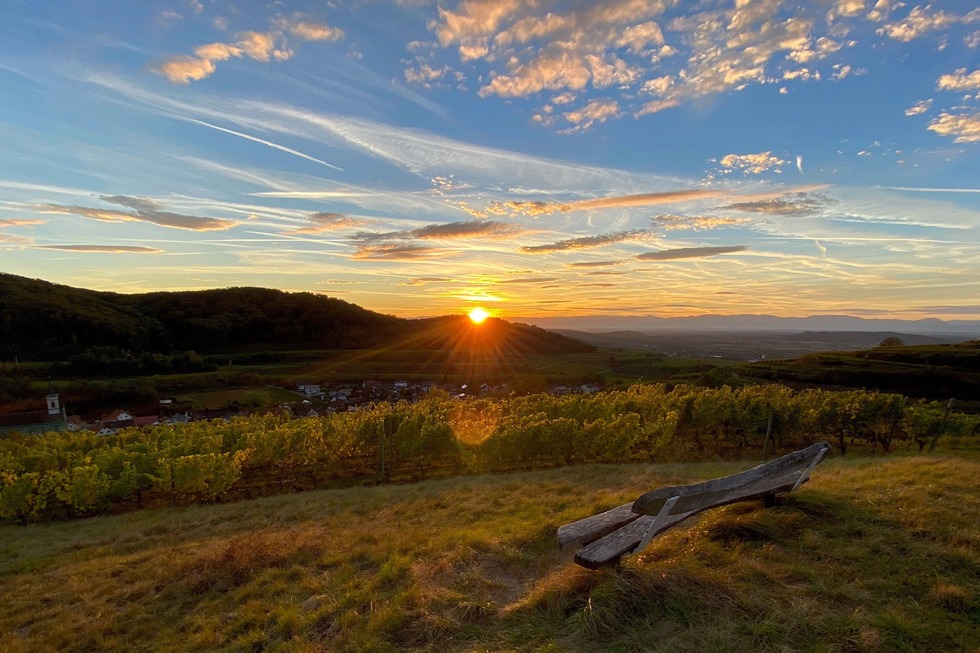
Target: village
(312, 400)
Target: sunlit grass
(872, 555)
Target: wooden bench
(628, 528)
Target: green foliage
(69, 474)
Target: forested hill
(46, 321)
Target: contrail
(933, 190)
(263, 142)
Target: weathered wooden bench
(628, 528)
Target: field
(874, 554)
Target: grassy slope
(873, 554)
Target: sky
(540, 158)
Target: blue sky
(635, 157)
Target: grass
(872, 555)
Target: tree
(892, 341)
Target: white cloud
(309, 31)
(259, 46)
(595, 111)
(964, 128)
(754, 164)
(922, 20)
(960, 81)
(919, 107)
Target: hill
(928, 371)
(746, 345)
(47, 321)
(871, 555)
(961, 329)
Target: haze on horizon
(555, 158)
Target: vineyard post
(765, 444)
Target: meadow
(874, 554)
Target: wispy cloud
(103, 249)
(20, 222)
(694, 222)
(400, 252)
(422, 281)
(593, 264)
(536, 208)
(528, 280)
(588, 242)
(327, 222)
(688, 252)
(800, 205)
(144, 210)
(472, 229)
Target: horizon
(560, 159)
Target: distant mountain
(966, 328)
(46, 321)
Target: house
(52, 418)
(117, 419)
(312, 391)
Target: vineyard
(66, 475)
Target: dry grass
(872, 555)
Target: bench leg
(806, 472)
(657, 521)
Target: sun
(478, 315)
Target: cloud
(919, 107)
(398, 252)
(688, 252)
(968, 309)
(588, 242)
(801, 205)
(964, 128)
(15, 240)
(259, 46)
(316, 32)
(528, 280)
(594, 264)
(960, 81)
(694, 222)
(632, 49)
(103, 249)
(472, 229)
(326, 222)
(922, 20)
(184, 69)
(17, 222)
(535, 208)
(754, 164)
(421, 281)
(595, 111)
(604, 273)
(144, 210)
